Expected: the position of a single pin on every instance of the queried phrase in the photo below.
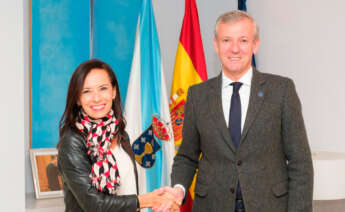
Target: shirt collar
(246, 79)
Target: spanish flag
(190, 69)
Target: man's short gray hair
(233, 17)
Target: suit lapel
(257, 95)
(216, 108)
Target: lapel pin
(260, 94)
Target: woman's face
(97, 94)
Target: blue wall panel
(114, 28)
(60, 41)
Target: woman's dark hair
(75, 87)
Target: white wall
(12, 88)
(305, 40)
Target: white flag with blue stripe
(147, 96)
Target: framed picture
(46, 176)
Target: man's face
(235, 46)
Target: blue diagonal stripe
(150, 83)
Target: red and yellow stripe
(190, 69)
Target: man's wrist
(183, 190)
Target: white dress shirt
(244, 92)
(126, 170)
(227, 89)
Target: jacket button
(232, 190)
(239, 163)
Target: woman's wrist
(145, 200)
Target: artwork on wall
(60, 37)
(45, 173)
(65, 33)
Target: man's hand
(176, 193)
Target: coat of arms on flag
(146, 145)
(145, 148)
(160, 128)
(177, 113)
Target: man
(53, 175)
(248, 128)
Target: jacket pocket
(200, 190)
(280, 189)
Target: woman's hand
(159, 201)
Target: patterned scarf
(100, 133)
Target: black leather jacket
(79, 195)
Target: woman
(95, 158)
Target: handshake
(165, 199)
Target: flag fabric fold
(190, 69)
(147, 97)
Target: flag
(242, 5)
(190, 69)
(146, 99)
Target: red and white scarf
(100, 133)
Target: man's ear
(256, 45)
(215, 45)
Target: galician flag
(190, 69)
(147, 97)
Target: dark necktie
(235, 132)
(235, 114)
